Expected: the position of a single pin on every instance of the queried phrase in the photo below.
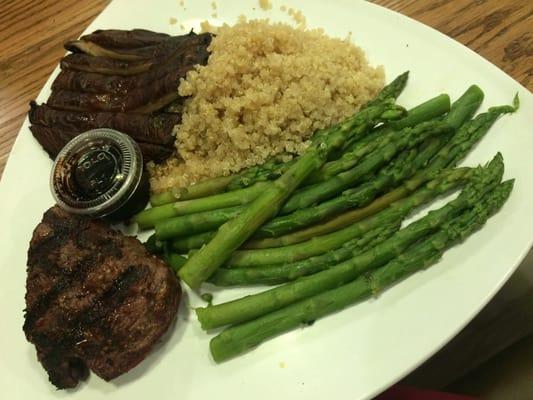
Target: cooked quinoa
(265, 4)
(265, 90)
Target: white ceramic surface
(353, 354)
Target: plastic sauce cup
(100, 173)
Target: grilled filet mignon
(95, 299)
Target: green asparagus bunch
(356, 249)
(483, 180)
(183, 245)
(195, 223)
(390, 91)
(240, 338)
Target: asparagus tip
(509, 182)
(516, 102)
(404, 74)
(477, 89)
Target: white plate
(353, 354)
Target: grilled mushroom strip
(170, 45)
(164, 88)
(117, 38)
(162, 49)
(102, 65)
(95, 50)
(124, 80)
(156, 129)
(118, 84)
(159, 103)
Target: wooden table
(31, 38)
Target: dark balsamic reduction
(95, 172)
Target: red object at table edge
(409, 393)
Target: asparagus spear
(221, 184)
(149, 217)
(195, 223)
(203, 188)
(465, 106)
(483, 180)
(472, 133)
(425, 111)
(432, 108)
(175, 261)
(268, 171)
(288, 272)
(236, 231)
(240, 338)
(458, 147)
(390, 91)
(321, 244)
(182, 245)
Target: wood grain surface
(31, 38)
(499, 30)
